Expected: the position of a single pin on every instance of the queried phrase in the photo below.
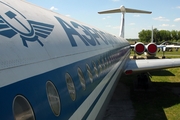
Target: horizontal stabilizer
(123, 9)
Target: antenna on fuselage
(123, 10)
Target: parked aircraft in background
(169, 46)
(151, 49)
(53, 67)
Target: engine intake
(139, 48)
(151, 48)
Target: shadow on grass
(161, 73)
(150, 104)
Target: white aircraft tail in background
(123, 10)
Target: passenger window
(95, 69)
(106, 62)
(70, 86)
(53, 98)
(99, 66)
(103, 64)
(81, 78)
(22, 109)
(89, 73)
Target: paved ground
(120, 106)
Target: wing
(132, 46)
(172, 46)
(163, 47)
(41, 29)
(133, 66)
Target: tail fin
(123, 10)
(152, 35)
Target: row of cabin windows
(22, 108)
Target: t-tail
(123, 10)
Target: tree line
(159, 36)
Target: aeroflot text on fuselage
(92, 33)
(31, 30)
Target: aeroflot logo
(12, 22)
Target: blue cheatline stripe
(96, 100)
(100, 94)
(34, 89)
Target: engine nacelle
(139, 48)
(151, 48)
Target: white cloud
(164, 25)
(178, 7)
(132, 24)
(160, 18)
(108, 25)
(177, 19)
(53, 8)
(116, 27)
(107, 17)
(68, 15)
(115, 0)
(137, 15)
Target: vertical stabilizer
(121, 31)
(152, 35)
(123, 10)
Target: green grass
(173, 54)
(162, 101)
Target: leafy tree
(156, 35)
(163, 35)
(159, 35)
(145, 35)
(178, 35)
(174, 34)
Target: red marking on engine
(139, 48)
(152, 48)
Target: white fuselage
(39, 47)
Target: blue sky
(165, 14)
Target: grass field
(162, 101)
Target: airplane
(139, 47)
(151, 49)
(165, 45)
(53, 67)
(162, 47)
(151, 53)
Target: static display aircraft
(53, 67)
(151, 49)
